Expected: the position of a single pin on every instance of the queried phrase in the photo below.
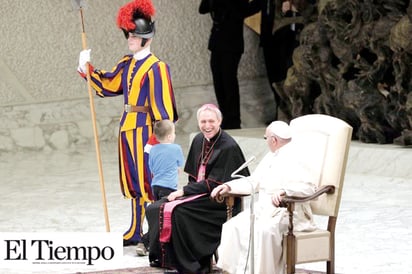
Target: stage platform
(59, 191)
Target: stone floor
(60, 192)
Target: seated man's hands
(277, 197)
(175, 194)
(220, 191)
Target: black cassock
(196, 225)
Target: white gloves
(84, 58)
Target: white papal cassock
(282, 169)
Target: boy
(165, 163)
(165, 160)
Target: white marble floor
(60, 192)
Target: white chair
(324, 142)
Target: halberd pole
(79, 5)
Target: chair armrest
(289, 202)
(328, 189)
(229, 200)
(221, 198)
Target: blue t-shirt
(164, 160)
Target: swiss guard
(144, 82)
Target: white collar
(142, 53)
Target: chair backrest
(323, 141)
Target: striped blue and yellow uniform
(147, 83)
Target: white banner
(60, 250)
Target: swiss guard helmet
(136, 17)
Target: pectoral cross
(201, 173)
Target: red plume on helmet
(133, 10)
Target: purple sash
(166, 229)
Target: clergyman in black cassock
(196, 225)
